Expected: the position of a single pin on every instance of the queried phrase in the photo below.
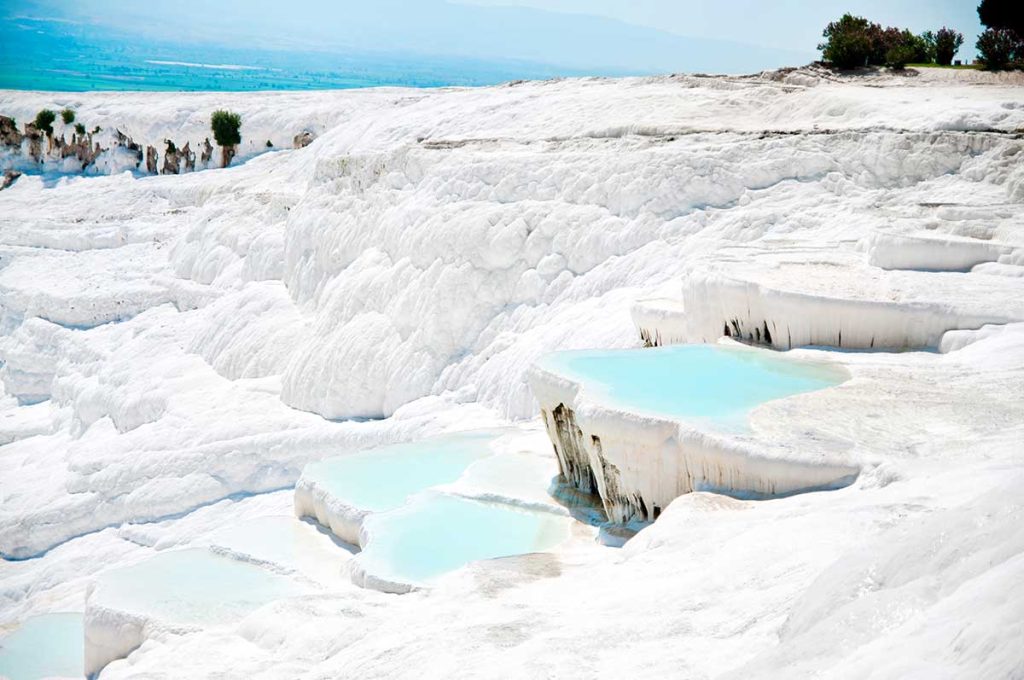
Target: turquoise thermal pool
(44, 646)
(191, 587)
(708, 383)
(385, 478)
(438, 533)
(435, 505)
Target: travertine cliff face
(207, 153)
(188, 157)
(35, 142)
(39, 147)
(126, 142)
(83, 147)
(8, 178)
(178, 160)
(9, 135)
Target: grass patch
(969, 67)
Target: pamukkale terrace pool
(44, 646)
(403, 506)
(385, 478)
(642, 427)
(192, 587)
(438, 533)
(710, 384)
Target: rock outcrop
(172, 160)
(303, 139)
(207, 153)
(35, 142)
(84, 148)
(8, 179)
(9, 135)
(189, 158)
(124, 141)
(80, 147)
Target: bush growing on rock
(44, 121)
(947, 43)
(79, 129)
(226, 127)
(68, 116)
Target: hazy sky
(590, 36)
(784, 24)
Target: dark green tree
(923, 46)
(998, 48)
(848, 42)
(947, 42)
(927, 45)
(899, 56)
(226, 127)
(883, 41)
(68, 116)
(1003, 14)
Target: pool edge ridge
(638, 463)
(311, 501)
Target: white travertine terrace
(176, 349)
(787, 298)
(638, 463)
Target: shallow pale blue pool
(385, 478)
(192, 586)
(699, 382)
(44, 646)
(438, 533)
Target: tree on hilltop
(1002, 14)
(947, 43)
(847, 42)
(1002, 43)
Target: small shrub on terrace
(226, 127)
(44, 121)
